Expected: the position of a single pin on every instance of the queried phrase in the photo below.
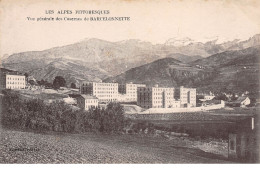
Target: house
(242, 101)
(87, 101)
(212, 102)
(209, 97)
(70, 101)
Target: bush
(58, 116)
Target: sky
(153, 21)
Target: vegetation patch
(58, 116)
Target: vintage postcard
(129, 81)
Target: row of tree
(58, 82)
(58, 116)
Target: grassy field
(200, 125)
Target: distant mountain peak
(176, 41)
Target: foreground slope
(96, 148)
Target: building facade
(13, 82)
(105, 92)
(187, 97)
(156, 97)
(10, 79)
(128, 92)
(86, 101)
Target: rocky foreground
(29, 147)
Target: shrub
(58, 116)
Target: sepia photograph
(129, 82)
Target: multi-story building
(156, 97)
(187, 97)
(86, 101)
(128, 92)
(12, 80)
(105, 92)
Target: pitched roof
(88, 96)
(240, 99)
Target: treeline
(58, 116)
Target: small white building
(209, 97)
(70, 101)
(175, 104)
(242, 101)
(86, 101)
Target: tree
(73, 85)
(32, 82)
(48, 85)
(26, 75)
(41, 83)
(221, 97)
(58, 82)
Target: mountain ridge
(108, 59)
(236, 73)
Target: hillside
(164, 72)
(223, 58)
(95, 59)
(184, 58)
(231, 71)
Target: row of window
(91, 101)
(115, 89)
(100, 95)
(161, 93)
(131, 91)
(111, 92)
(14, 87)
(105, 84)
(97, 89)
(22, 83)
(88, 107)
(14, 78)
(101, 100)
